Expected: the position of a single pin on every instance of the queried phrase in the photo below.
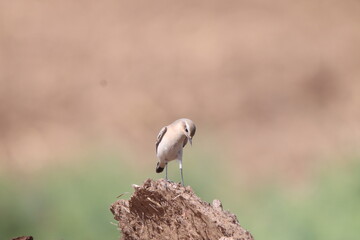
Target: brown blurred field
(275, 84)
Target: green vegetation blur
(71, 201)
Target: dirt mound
(163, 210)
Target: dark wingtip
(158, 168)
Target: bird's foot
(169, 181)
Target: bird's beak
(190, 140)
(189, 137)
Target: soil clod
(163, 210)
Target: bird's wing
(185, 142)
(160, 136)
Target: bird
(170, 143)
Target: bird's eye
(186, 130)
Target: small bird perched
(171, 141)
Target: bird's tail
(158, 168)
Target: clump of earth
(164, 210)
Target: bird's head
(189, 129)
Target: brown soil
(23, 238)
(163, 210)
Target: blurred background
(273, 87)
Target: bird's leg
(179, 158)
(181, 172)
(166, 175)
